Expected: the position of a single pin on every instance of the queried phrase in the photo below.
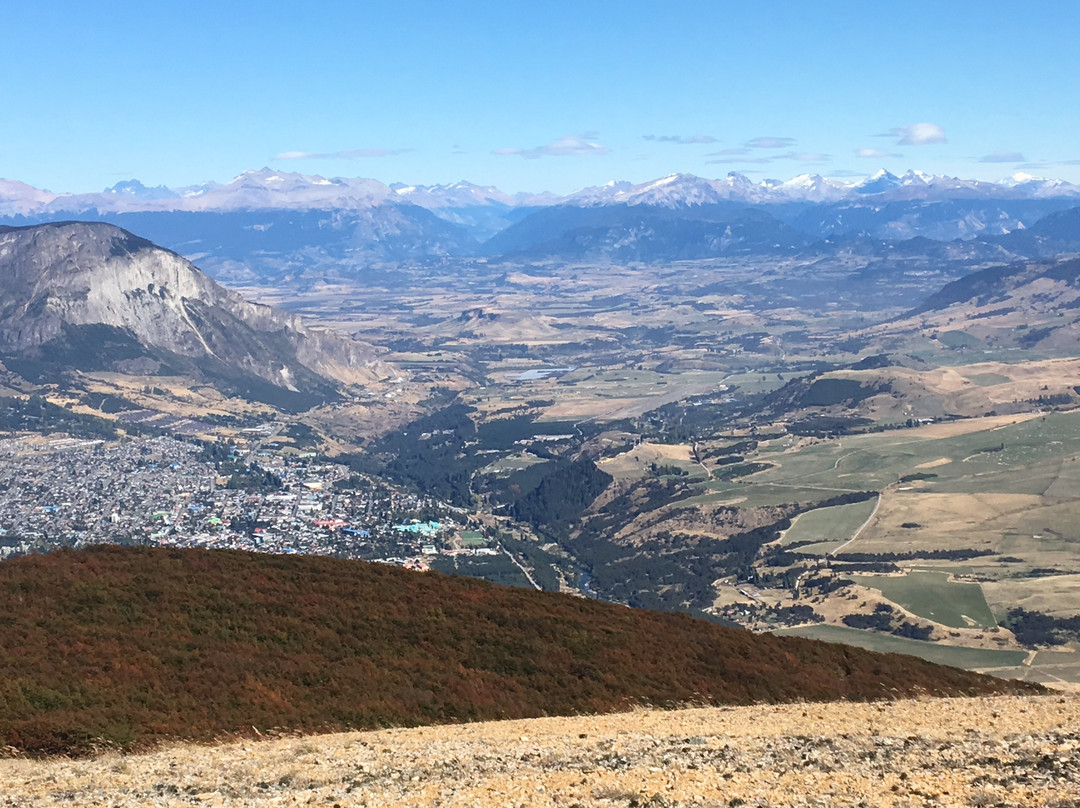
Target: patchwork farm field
(994, 501)
(933, 596)
(1006, 484)
(828, 528)
(971, 449)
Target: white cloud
(917, 134)
(743, 156)
(770, 142)
(743, 160)
(567, 146)
(682, 141)
(876, 154)
(345, 154)
(1003, 157)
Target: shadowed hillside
(132, 646)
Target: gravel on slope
(1002, 751)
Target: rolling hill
(128, 647)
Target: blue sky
(538, 96)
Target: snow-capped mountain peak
(878, 182)
(1031, 185)
(915, 177)
(269, 189)
(812, 188)
(452, 195)
(136, 190)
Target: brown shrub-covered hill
(128, 647)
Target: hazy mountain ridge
(65, 286)
(281, 227)
(267, 189)
(647, 233)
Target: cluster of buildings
(59, 491)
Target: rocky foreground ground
(1008, 751)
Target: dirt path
(524, 571)
(861, 527)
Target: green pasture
(959, 339)
(968, 658)
(755, 495)
(945, 567)
(1046, 675)
(829, 525)
(820, 548)
(999, 459)
(753, 383)
(952, 358)
(508, 465)
(988, 379)
(1057, 658)
(933, 596)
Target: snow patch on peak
(915, 177)
(803, 181)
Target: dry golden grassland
(635, 463)
(968, 390)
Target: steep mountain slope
(18, 198)
(1058, 287)
(93, 296)
(943, 220)
(482, 210)
(262, 225)
(643, 232)
(684, 217)
(1052, 235)
(280, 245)
(136, 645)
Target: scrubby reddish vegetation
(131, 646)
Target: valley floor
(930, 752)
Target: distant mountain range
(272, 226)
(267, 189)
(90, 296)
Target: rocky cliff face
(65, 285)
